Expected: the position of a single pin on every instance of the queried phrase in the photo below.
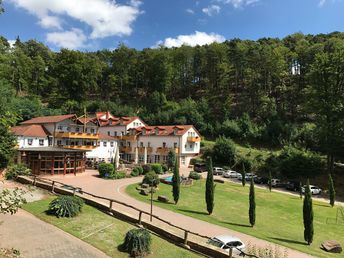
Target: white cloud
(198, 38)
(211, 10)
(190, 11)
(106, 18)
(238, 3)
(322, 2)
(72, 39)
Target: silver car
(225, 242)
(231, 174)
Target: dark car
(200, 167)
(261, 180)
(293, 186)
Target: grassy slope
(106, 240)
(278, 218)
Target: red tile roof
(164, 130)
(48, 119)
(105, 137)
(30, 130)
(104, 119)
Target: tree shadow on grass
(194, 212)
(121, 248)
(236, 224)
(322, 205)
(290, 241)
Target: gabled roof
(30, 131)
(163, 130)
(48, 119)
(107, 119)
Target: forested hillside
(270, 91)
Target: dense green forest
(271, 92)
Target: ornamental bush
(140, 169)
(194, 175)
(135, 172)
(106, 170)
(119, 175)
(151, 177)
(157, 168)
(137, 242)
(146, 168)
(66, 206)
(17, 170)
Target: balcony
(194, 139)
(74, 135)
(141, 150)
(165, 151)
(79, 147)
(129, 137)
(125, 149)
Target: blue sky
(97, 24)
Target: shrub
(119, 174)
(146, 168)
(231, 129)
(106, 170)
(194, 175)
(17, 170)
(149, 177)
(164, 168)
(137, 242)
(224, 151)
(157, 168)
(135, 172)
(66, 206)
(140, 169)
(193, 161)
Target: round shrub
(146, 168)
(66, 206)
(151, 177)
(157, 168)
(140, 169)
(137, 242)
(119, 174)
(17, 170)
(135, 172)
(194, 175)
(106, 170)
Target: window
(157, 159)
(111, 144)
(59, 142)
(128, 144)
(148, 144)
(110, 122)
(104, 144)
(29, 141)
(60, 128)
(92, 130)
(115, 133)
(164, 158)
(191, 146)
(68, 129)
(164, 144)
(108, 133)
(175, 145)
(41, 142)
(77, 129)
(141, 158)
(183, 160)
(141, 144)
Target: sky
(90, 25)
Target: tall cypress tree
(176, 182)
(252, 209)
(308, 216)
(209, 187)
(331, 190)
(243, 174)
(270, 181)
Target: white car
(225, 242)
(231, 174)
(218, 171)
(314, 189)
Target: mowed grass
(102, 231)
(278, 216)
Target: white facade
(105, 151)
(27, 141)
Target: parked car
(225, 242)
(293, 186)
(200, 167)
(276, 183)
(248, 176)
(218, 171)
(261, 180)
(231, 174)
(314, 189)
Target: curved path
(115, 189)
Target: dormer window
(144, 131)
(156, 131)
(175, 131)
(110, 122)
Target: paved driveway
(115, 189)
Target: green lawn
(102, 231)
(278, 216)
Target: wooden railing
(58, 187)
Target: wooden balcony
(73, 135)
(194, 139)
(128, 137)
(125, 149)
(165, 151)
(141, 150)
(79, 147)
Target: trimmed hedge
(106, 170)
(157, 168)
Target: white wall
(190, 147)
(119, 129)
(157, 141)
(136, 123)
(103, 152)
(23, 142)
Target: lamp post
(151, 209)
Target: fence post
(34, 180)
(52, 186)
(230, 254)
(110, 206)
(74, 190)
(185, 243)
(140, 219)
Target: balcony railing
(141, 150)
(194, 139)
(74, 135)
(165, 150)
(125, 149)
(79, 147)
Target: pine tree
(171, 159)
(331, 190)
(209, 187)
(243, 178)
(176, 182)
(308, 215)
(252, 209)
